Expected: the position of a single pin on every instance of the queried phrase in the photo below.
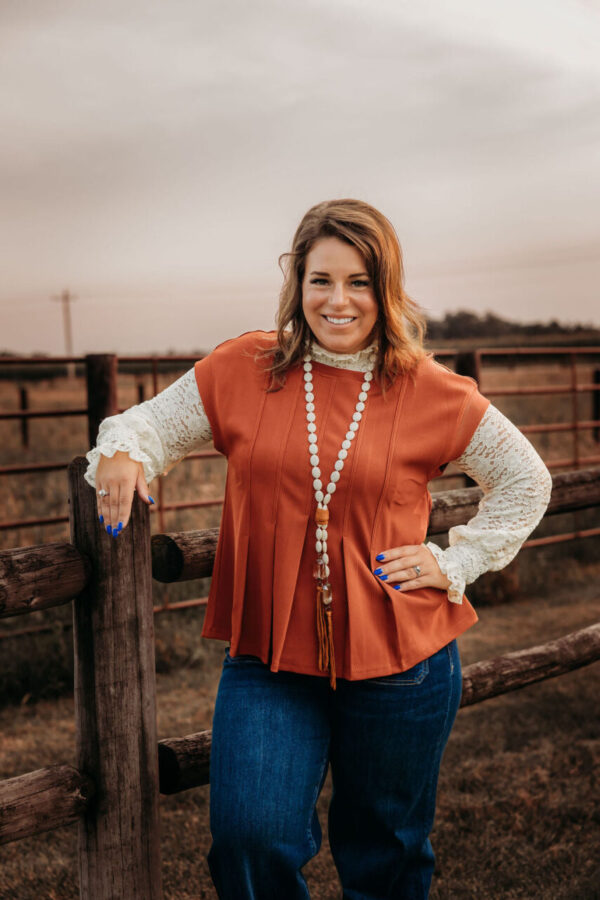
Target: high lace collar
(358, 362)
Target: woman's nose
(338, 296)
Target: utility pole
(66, 298)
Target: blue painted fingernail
(383, 577)
(378, 572)
(397, 587)
(101, 519)
(109, 529)
(150, 499)
(380, 556)
(115, 532)
(120, 526)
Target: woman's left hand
(398, 564)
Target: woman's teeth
(339, 321)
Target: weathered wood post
(24, 404)
(115, 702)
(596, 404)
(467, 363)
(101, 379)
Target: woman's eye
(360, 283)
(318, 280)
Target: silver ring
(417, 570)
(103, 493)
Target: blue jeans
(274, 735)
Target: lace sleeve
(516, 489)
(158, 433)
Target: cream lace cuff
(114, 434)
(453, 569)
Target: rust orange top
(262, 596)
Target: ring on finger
(103, 493)
(417, 571)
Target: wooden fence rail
(113, 792)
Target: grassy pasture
(516, 811)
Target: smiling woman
(341, 622)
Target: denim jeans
(274, 735)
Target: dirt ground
(518, 814)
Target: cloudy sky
(156, 157)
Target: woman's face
(338, 299)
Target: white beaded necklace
(323, 499)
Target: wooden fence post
(467, 363)
(101, 378)
(24, 404)
(115, 702)
(596, 404)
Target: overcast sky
(156, 157)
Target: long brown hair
(400, 325)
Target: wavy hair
(400, 325)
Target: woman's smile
(339, 321)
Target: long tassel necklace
(323, 498)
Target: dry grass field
(518, 813)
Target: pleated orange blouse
(262, 595)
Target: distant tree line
(466, 324)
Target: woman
(341, 621)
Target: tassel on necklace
(325, 632)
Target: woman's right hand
(120, 476)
